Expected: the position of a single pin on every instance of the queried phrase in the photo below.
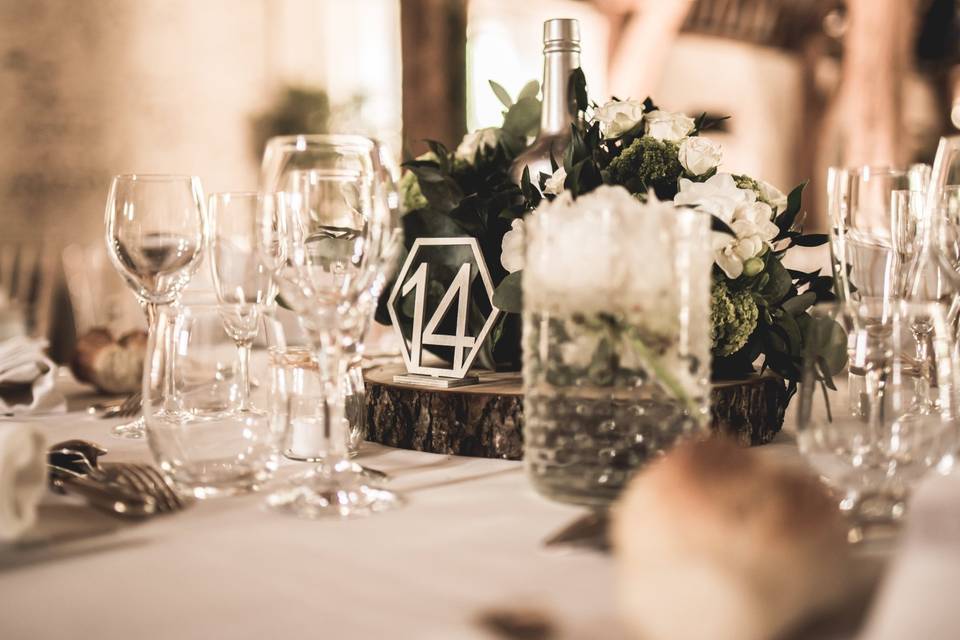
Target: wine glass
(326, 246)
(863, 231)
(877, 410)
(244, 286)
(154, 234)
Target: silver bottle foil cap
(561, 34)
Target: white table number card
(444, 323)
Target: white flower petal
(617, 117)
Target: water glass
(878, 403)
(616, 355)
(198, 428)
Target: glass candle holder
(616, 353)
(297, 396)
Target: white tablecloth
(469, 541)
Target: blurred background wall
(91, 88)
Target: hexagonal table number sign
(414, 284)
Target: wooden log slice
(486, 419)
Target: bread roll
(111, 366)
(716, 541)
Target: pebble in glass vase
(616, 340)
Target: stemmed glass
(326, 246)
(244, 286)
(863, 241)
(877, 410)
(154, 234)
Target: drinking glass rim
(241, 195)
(304, 140)
(870, 169)
(154, 177)
(834, 307)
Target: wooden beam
(434, 42)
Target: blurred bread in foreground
(112, 366)
(716, 541)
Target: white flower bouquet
(759, 307)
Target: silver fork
(126, 409)
(141, 478)
(147, 480)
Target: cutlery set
(124, 489)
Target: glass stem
(330, 363)
(152, 310)
(243, 353)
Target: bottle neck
(558, 63)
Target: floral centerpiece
(759, 307)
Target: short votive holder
(297, 395)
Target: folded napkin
(918, 597)
(23, 478)
(27, 378)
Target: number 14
(460, 287)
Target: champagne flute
(243, 285)
(326, 247)
(154, 234)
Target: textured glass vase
(616, 340)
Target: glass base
(332, 491)
(217, 490)
(875, 518)
(135, 430)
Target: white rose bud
(617, 117)
(554, 184)
(664, 125)
(512, 246)
(473, 142)
(699, 155)
(771, 194)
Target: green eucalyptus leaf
(523, 117)
(529, 90)
(798, 304)
(501, 94)
(508, 296)
(779, 282)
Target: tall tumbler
(616, 342)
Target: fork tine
(162, 496)
(126, 474)
(131, 406)
(160, 481)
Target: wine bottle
(561, 55)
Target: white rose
(617, 117)
(754, 232)
(699, 155)
(664, 125)
(771, 194)
(719, 196)
(473, 142)
(554, 184)
(511, 248)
